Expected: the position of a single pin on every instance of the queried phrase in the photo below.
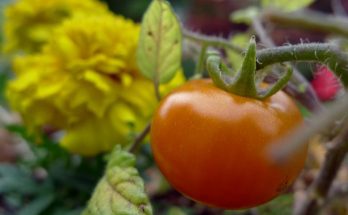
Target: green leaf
(160, 44)
(121, 190)
(286, 5)
(245, 16)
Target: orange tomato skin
(212, 146)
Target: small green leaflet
(121, 190)
(160, 47)
(286, 5)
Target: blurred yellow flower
(29, 23)
(85, 81)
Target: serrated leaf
(245, 16)
(121, 190)
(286, 5)
(160, 44)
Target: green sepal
(243, 82)
(282, 81)
(121, 190)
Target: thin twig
(309, 20)
(261, 33)
(322, 183)
(138, 139)
(211, 41)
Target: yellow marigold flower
(34, 88)
(125, 117)
(29, 23)
(85, 81)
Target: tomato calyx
(243, 82)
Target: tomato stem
(324, 53)
(307, 96)
(243, 82)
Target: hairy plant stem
(323, 53)
(307, 97)
(320, 187)
(308, 20)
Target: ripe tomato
(212, 146)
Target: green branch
(307, 97)
(138, 139)
(324, 53)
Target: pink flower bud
(325, 83)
